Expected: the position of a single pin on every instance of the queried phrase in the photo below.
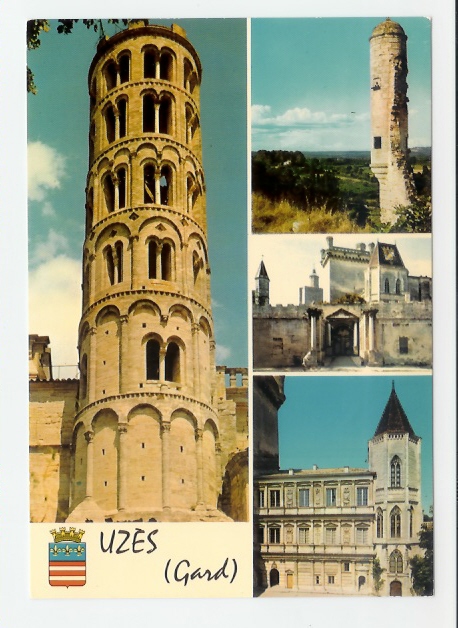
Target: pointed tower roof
(262, 272)
(385, 254)
(394, 419)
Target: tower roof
(262, 272)
(394, 419)
(386, 255)
(388, 27)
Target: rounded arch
(124, 60)
(151, 153)
(211, 425)
(274, 577)
(108, 188)
(179, 310)
(104, 413)
(167, 63)
(85, 328)
(146, 409)
(110, 74)
(109, 312)
(185, 414)
(105, 236)
(142, 306)
(105, 458)
(205, 326)
(171, 230)
(150, 55)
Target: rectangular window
(377, 142)
(346, 566)
(304, 497)
(261, 534)
(304, 535)
(274, 535)
(274, 498)
(361, 496)
(403, 345)
(331, 497)
(317, 579)
(361, 536)
(330, 579)
(330, 536)
(261, 499)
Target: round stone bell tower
(146, 441)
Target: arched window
(110, 124)
(387, 286)
(172, 363)
(110, 75)
(411, 523)
(152, 359)
(165, 66)
(119, 262)
(166, 261)
(395, 472)
(149, 64)
(396, 563)
(379, 517)
(109, 192)
(124, 68)
(89, 210)
(187, 70)
(122, 108)
(110, 265)
(148, 179)
(121, 188)
(166, 185)
(148, 114)
(395, 523)
(165, 116)
(152, 259)
(197, 265)
(398, 286)
(83, 377)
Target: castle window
(317, 579)
(330, 579)
(330, 536)
(148, 114)
(110, 75)
(274, 498)
(148, 181)
(172, 363)
(122, 108)
(83, 377)
(121, 173)
(346, 566)
(152, 255)
(124, 68)
(387, 286)
(109, 193)
(379, 519)
(118, 250)
(403, 345)
(304, 497)
(89, 210)
(110, 124)
(261, 499)
(395, 523)
(398, 286)
(152, 359)
(331, 499)
(110, 265)
(149, 64)
(396, 563)
(303, 536)
(274, 535)
(361, 536)
(166, 185)
(361, 496)
(377, 142)
(395, 472)
(165, 66)
(165, 117)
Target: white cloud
(46, 250)
(303, 117)
(48, 210)
(55, 307)
(46, 168)
(222, 353)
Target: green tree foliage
(35, 28)
(414, 218)
(288, 175)
(377, 572)
(423, 566)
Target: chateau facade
(152, 429)
(370, 309)
(323, 530)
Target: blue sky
(328, 421)
(58, 122)
(310, 82)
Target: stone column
(89, 436)
(116, 114)
(371, 330)
(92, 361)
(157, 68)
(157, 182)
(162, 352)
(355, 338)
(312, 332)
(123, 354)
(134, 262)
(123, 465)
(156, 120)
(116, 186)
(159, 261)
(165, 433)
(329, 334)
(232, 378)
(200, 466)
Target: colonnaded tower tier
(389, 117)
(147, 439)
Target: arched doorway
(361, 582)
(342, 334)
(274, 577)
(395, 588)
